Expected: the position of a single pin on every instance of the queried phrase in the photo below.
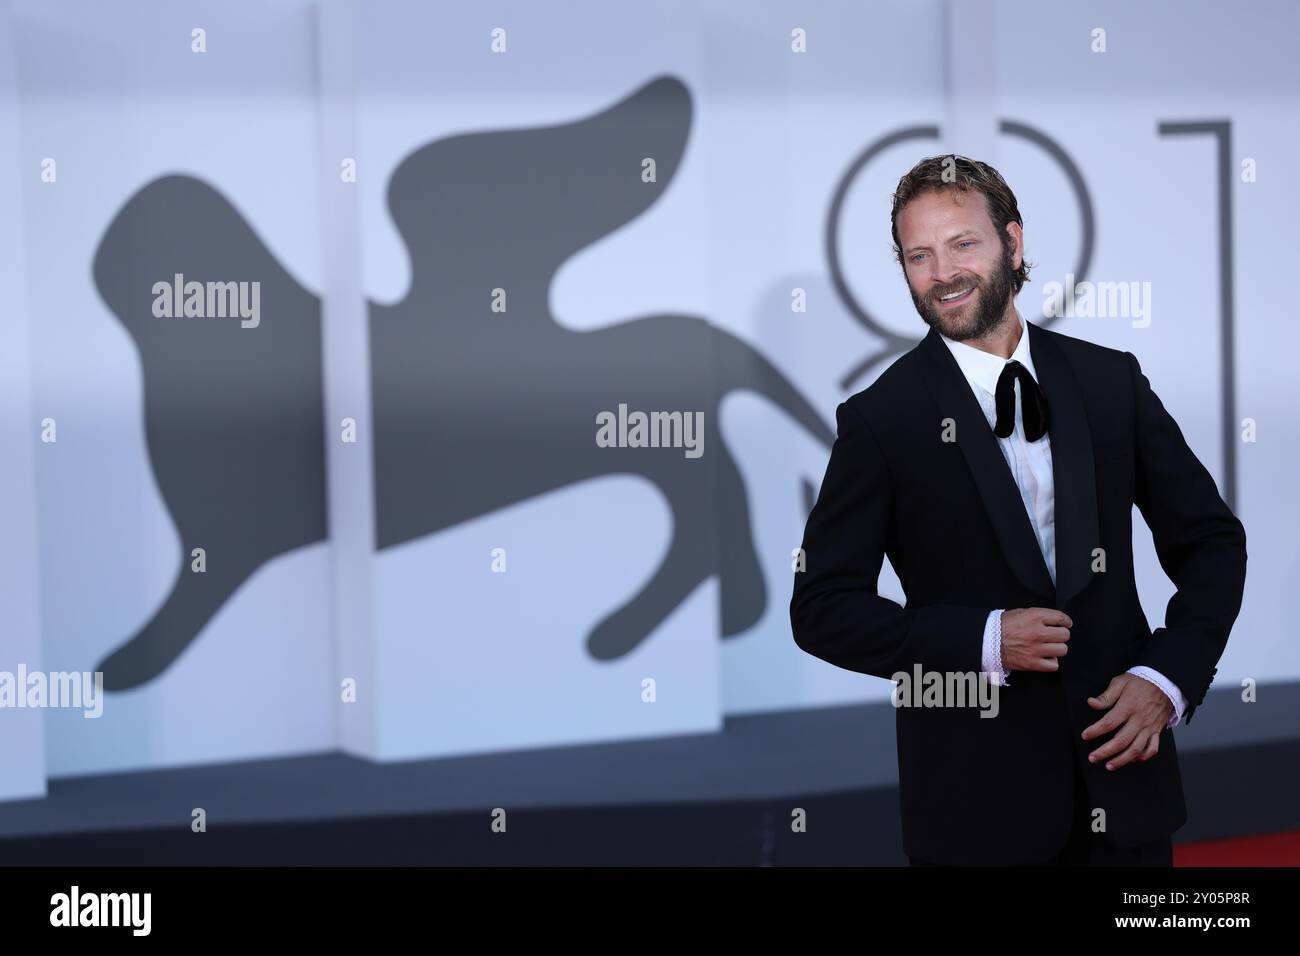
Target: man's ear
(1017, 242)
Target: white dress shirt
(1031, 467)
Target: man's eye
(966, 242)
(917, 256)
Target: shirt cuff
(991, 658)
(1169, 687)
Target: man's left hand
(1138, 712)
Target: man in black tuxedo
(997, 464)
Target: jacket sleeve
(1199, 541)
(835, 612)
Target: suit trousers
(1086, 848)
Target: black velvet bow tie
(1032, 401)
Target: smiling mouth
(955, 298)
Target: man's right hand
(1033, 638)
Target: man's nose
(943, 269)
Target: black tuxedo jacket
(948, 514)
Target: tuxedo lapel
(979, 446)
(1073, 473)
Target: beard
(985, 310)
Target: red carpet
(1275, 849)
